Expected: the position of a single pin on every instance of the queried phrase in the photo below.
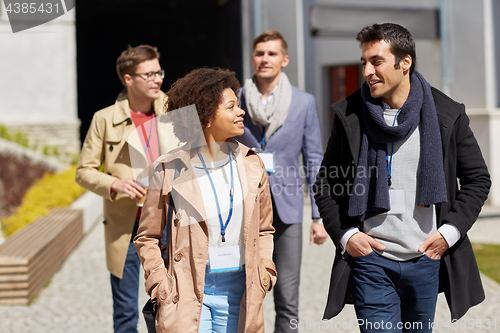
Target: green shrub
(22, 139)
(52, 190)
(18, 137)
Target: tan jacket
(178, 282)
(111, 139)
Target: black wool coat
(463, 161)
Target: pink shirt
(146, 128)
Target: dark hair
(400, 40)
(271, 35)
(133, 56)
(202, 87)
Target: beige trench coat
(111, 139)
(178, 283)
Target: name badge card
(397, 200)
(268, 159)
(224, 259)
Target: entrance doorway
(188, 34)
(344, 80)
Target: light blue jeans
(221, 301)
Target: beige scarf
(273, 115)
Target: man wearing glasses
(125, 137)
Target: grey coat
(299, 134)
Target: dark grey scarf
(370, 192)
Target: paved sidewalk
(315, 277)
(78, 298)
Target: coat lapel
(166, 138)
(122, 109)
(186, 187)
(349, 111)
(129, 133)
(250, 175)
(167, 141)
(138, 161)
(447, 116)
(134, 141)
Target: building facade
(38, 83)
(458, 42)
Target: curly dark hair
(400, 39)
(202, 87)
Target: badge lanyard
(223, 226)
(263, 140)
(389, 159)
(150, 131)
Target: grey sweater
(403, 234)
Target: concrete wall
(467, 52)
(38, 85)
(322, 52)
(280, 15)
(496, 27)
(485, 123)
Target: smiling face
(228, 120)
(268, 59)
(385, 81)
(138, 87)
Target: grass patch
(487, 257)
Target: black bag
(149, 313)
(149, 309)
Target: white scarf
(274, 114)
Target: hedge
(52, 190)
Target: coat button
(265, 282)
(178, 216)
(175, 299)
(178, 257)
(256, 198)
(162, 296)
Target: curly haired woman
(213, 197)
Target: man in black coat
(388, 194)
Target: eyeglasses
(151, 76)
